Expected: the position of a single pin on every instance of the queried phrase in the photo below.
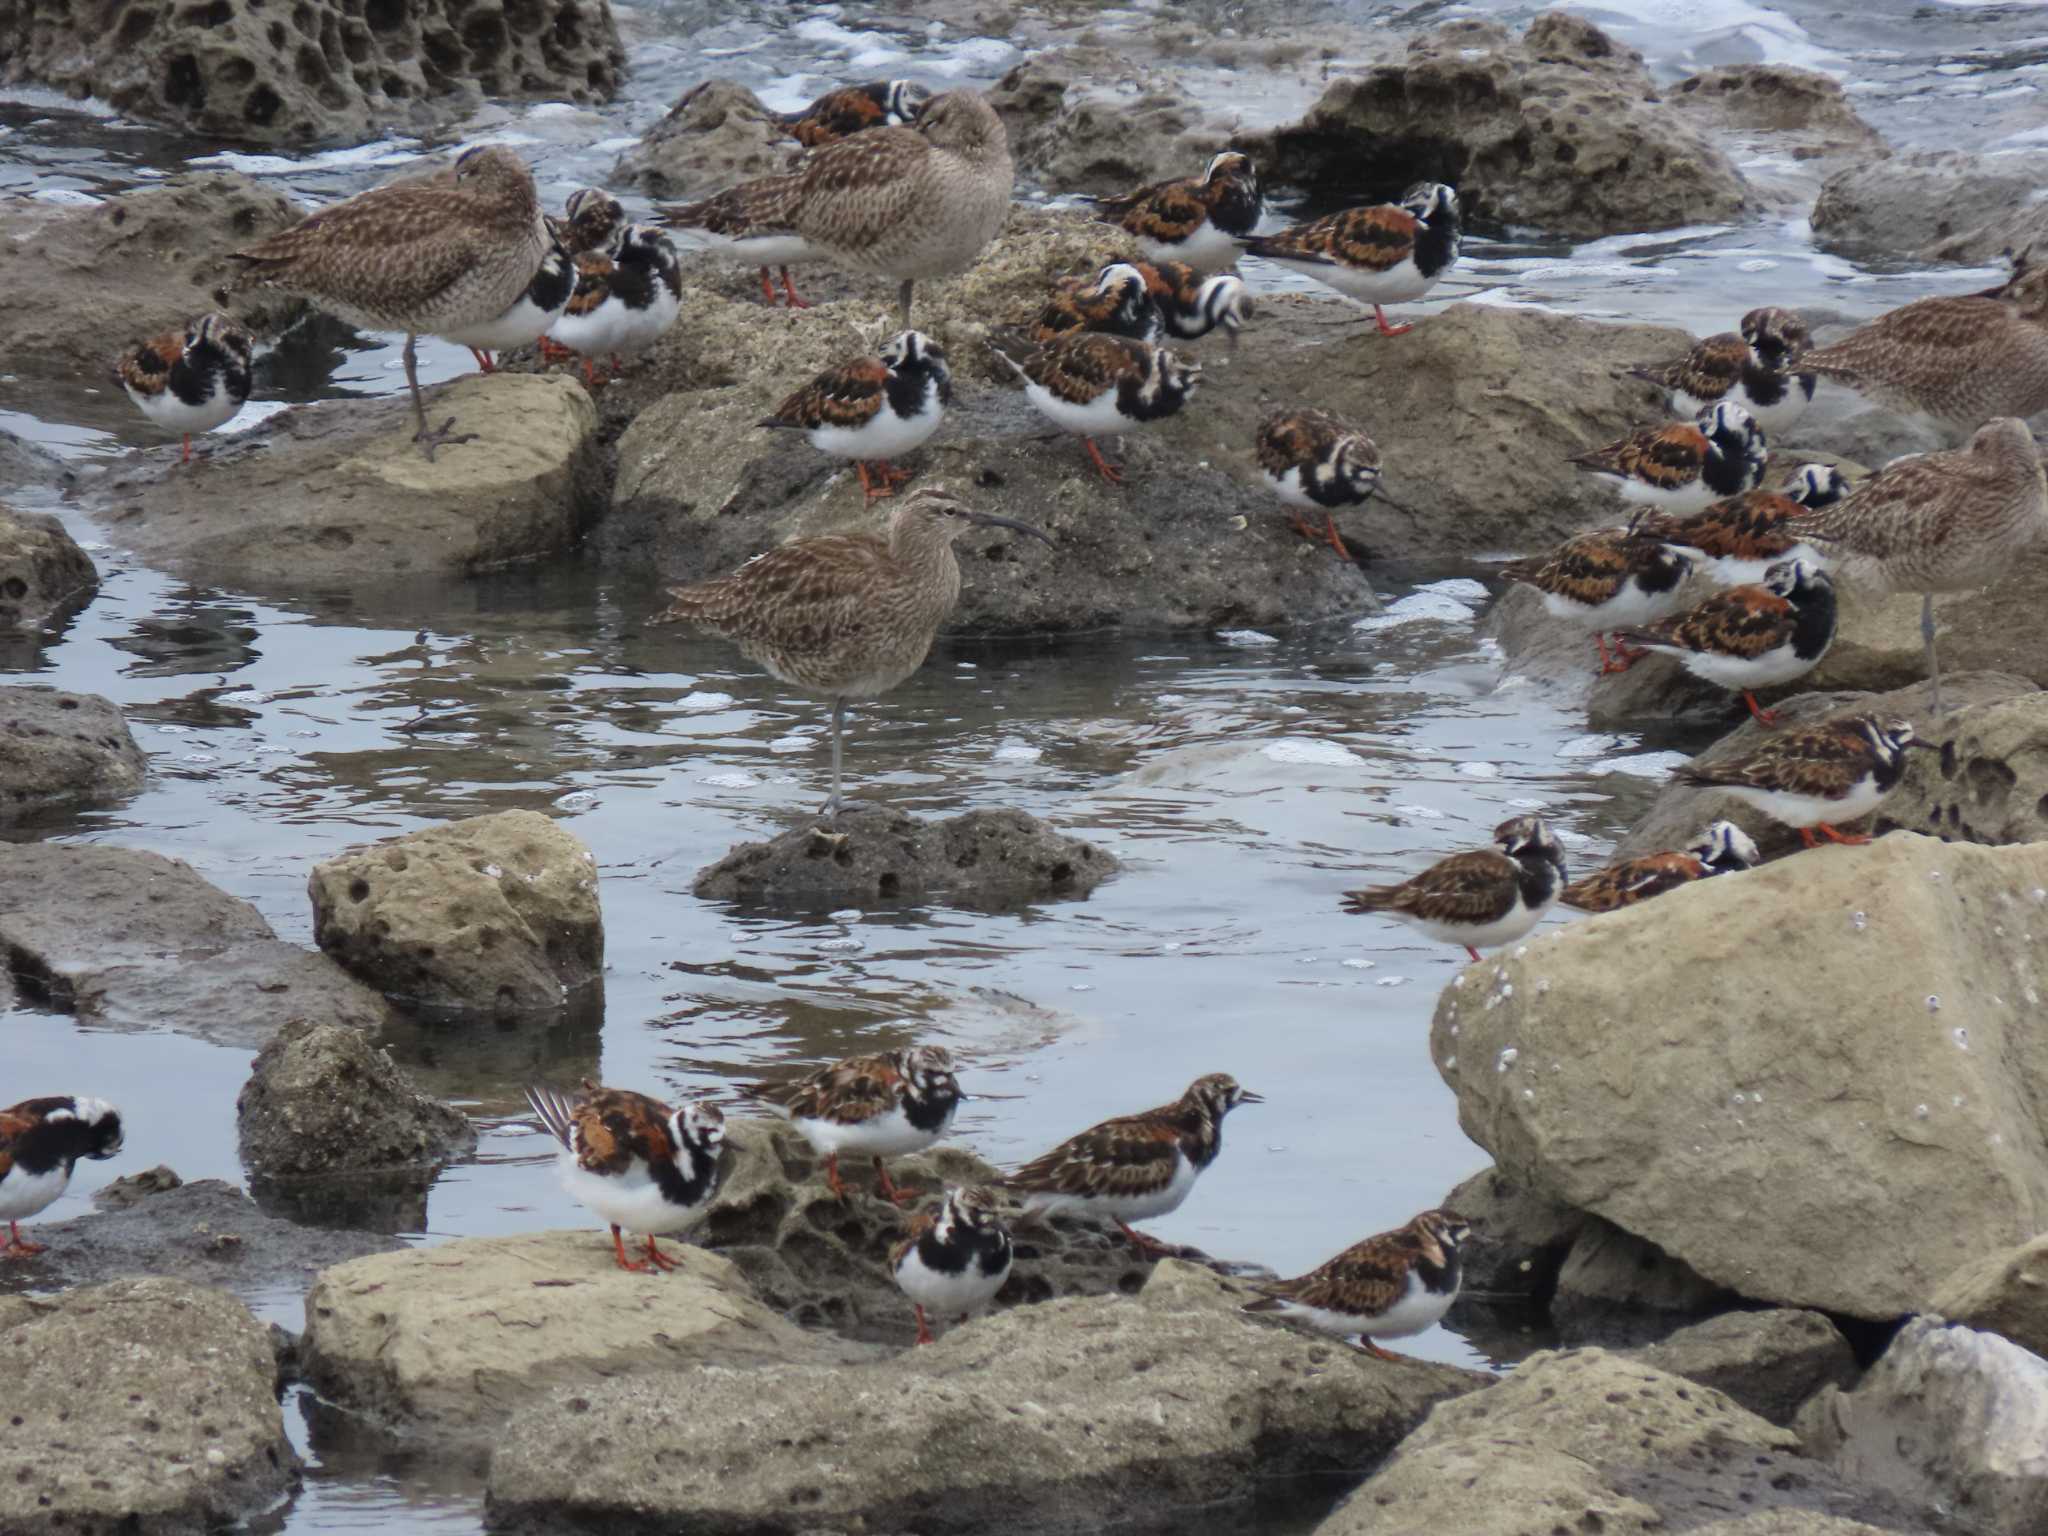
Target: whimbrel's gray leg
(903, 300)
(838, 732)
(1927, 634)
(428, 441)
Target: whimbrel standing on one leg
(843, 615)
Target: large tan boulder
(2004, 1292)
(1863, 1016)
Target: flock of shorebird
(900, 183)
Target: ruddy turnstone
(41, 1141)
(1392, 253)
(1963, 360)
(1197, 219)
(427, 256)
(1313, 459)
(1116, 302)
(532, 314)
(889, 1105)
(851, 109)
(634, 1161)
(1937, 522)
(1388, 1287)
(1753, 369)
(1487, 896)
(908, 203)
(1607, 579)
(844, 615)
(954, 1259)
(1134, 1167)
(1684, 467)
(627, 296)
(874, 408)
(1742, 537)
(1090, 384)
(1191, 305)
(1722, 848)
(1815, 777)
(190, 380)
(1751, 637)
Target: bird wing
(614, 1126)
(1667, 457)
(594, 273)
(1295, 439)
(1476, 887)
(1632, 880)
(913, 1229)
(1823, 760)
(1707, 372)
(850, 395)
(1751, 526)
(839, 114)
(1879, 519)
(146, 368)
(1168, 211)
(849, 1092)
(1131, 1155)
(1365, 1279)
(1955, 325)
(842, 570)
(392, 246)
(1085, 365)
(1742, 622)
(1588, 569)
(845, 192)
(1370, 239)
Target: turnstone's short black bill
(1091, 385)
(1134, 1167)
(1752, 369)
(1684, 467)
(852, 109)
(1197, 220)
(1314, 460)
(41, 1141)
(190, 380)
(883, 1106)
(1721, 849)
(1391, 253)
(954, 1259)
(1388, 1287)
(1751, 637)
(1606, 579)
(634, 1161)
(874, 409)
(1485, 897)
(1815, 777)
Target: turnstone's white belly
(885, 436)
(948, 1293)
(884, 1135)
(181, 416)
(1288, 487)
(1122, 1207)
(23, 1193)
(521, 325)
(1097, 418)
(1631, 606)
(1505, 929)
(1418, 1308)
(1207, 249)
(1399, 284)
(1797, 810)
(1782, 665)
(631, 1199)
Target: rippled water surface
(1244, 779)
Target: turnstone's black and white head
(874, 409)
(191, 380)
(634, 1161)
(955, 1258)
(1314, 460)
(1607, 579)
(1388, 1287)
(883, 1106)
(1778, 337)
(1486, 897)
(591, 220)
(1115, 301)
(627, 296)
(852, 109)
(1684, 467)
(1721, 848)
(1724, 848)
(1136, 1166)
(1191, 305)
(1195, 220)
(1817, 485)
(1390, 253)
(1815, 777)
(1090, 385)
(41, 1141)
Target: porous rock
(1560, 129)
(1088, 1411)
(43, 572)
(347, 495)
(2004, 1292)
(1989, 781)
(1935, 205)
(1090, 119)
(716, 135)
(1769, 1362)
(23, 463)
(871, 854)
(322, 71)
(61, 752)
(187, 1437)
(321, 1099)
(1900, 1039)
(130, 940)
(495, 912)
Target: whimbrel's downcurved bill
(991, 520)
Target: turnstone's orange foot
(954, 1257)
(1722, 848)
(1753, 369)
(659, 1259)
(1486, 897)
(1390, 1286)
(892, 1192)
(1606, 579)
(1390, 253)
(883, 1106)
(1752, 636)
(634, 1161)
(1815, 776)
(871, 408)
(41, 1141)
(1089, 383)
(1380, 316)
(1684, 466)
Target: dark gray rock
(23, 463)
(1091, 119)
(1520, 1236)
(1770, 1362)
(716, 136)
(1935, 205)
(871, 855)
(1615, 1287)
(43, 572)
(62, 752)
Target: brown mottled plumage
(1814, 776)
(843, 615)
(1313, 459)
(1760, 635)
(1194, 219)
(1391, 1285)
(1484, 896)
(1604, 579)
(1088, 383)
(1749, 527)
(872, 409)
(41, 1141)
(1684, 466)
(896, 1102)
(1722, 848)
(1752, 368)
(192, 379)
(1389, 253)
(852, 109)
(1115, 301)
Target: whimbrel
(1390, 253)
(1197, 219)
(844, 615)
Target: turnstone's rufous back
(190, 380)
(1754, 369)
(883, 1106)
(1606, 579)
(1134, 1167)
(1312, 459)
(1815, 777)
(1685, 466)
(1116, 301)
(1485, 897)
(1741, 537)
(1090, 384)
(955, 1258)
(41, 1141)
(1751, 637)
(1387, 1287)
(1722, 848)
(1196, 219)
(427, 256)
(851, 109)
(1391, 253)
(874, 408)
(634, 1161)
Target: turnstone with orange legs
(1684, 467)
(41, 1141)
(1388, 1287)
(883, 1106)
(907, 203)
(1607, 579)
(1753, 369)
(1197, 219)
(627, 296)
(1815, 777)
(1722, 848)
(1937, 522)
(634, 1161)
(1742, 537)
(1392, 253)
(1134, 1167)
(1485, 897)
(426, 256)
(1114, 302)
(955, 1258)
(1092, 385)
(1751, 637)
(1191, 305)
(1312, 459)
(190, 380)
(873, 409)
(851, 109)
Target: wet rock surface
(1934, 205)
(1138, 1406)
(871, 855)
(717, 135)
(1088, 119)
(1882, 1044)
(321, 1099)
(188, 1436)
(63, 752)
(43, 573)
(1769, 1362)
(321, 72)
(496, 912)
(348, 496)
(1561, 129)
(2005, 1293)
(129, 940)
(23, 463)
